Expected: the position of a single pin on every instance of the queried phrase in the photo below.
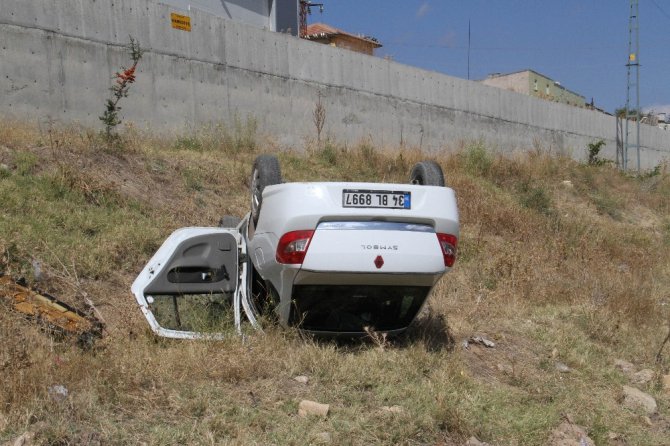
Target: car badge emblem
(379, 262)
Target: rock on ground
(26, 439)
(636, 399)
(562, 367)
(642, 377)
(302, 379)
(615, 439)
(666, 383)
(392, 409)
(569, 434)
(307, 407)
(473, 441)
(625, 366)
(323, 438)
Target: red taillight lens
(448, 244)
(293, 246)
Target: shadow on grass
(429, 328)
(432, 330)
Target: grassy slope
(577, 273)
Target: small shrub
(244, 135)
(535, 198)
(25, 162)
(294, 162)
(319, 115)
(651, 173)
(328, 153)
(401, 164)
(368, 153)
(14, 260)
(188, 143)
(593, 151)
(193, 180)
(110, 118)
(478, 160)
(219, 137)
(450, 418)
(157, 166)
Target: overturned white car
(326, 257)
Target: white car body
(335, 268)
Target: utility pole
(305, 10)
(633, 87)
(468, 49)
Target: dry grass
(559, 261)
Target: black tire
(265, 172)
(229, 221)
(427, 173)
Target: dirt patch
(511, 359)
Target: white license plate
(386, 199)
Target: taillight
(448, 245)
(293, 246)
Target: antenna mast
(633, 87)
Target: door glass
(202, 313)
(188, 286)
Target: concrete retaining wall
(57, 58)
(275, 15)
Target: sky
(583, 44)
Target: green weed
(5, 172)
(328, 154)
(193, 179)
(244, 134)
(367, 153)
(25, 162)
(593, 152)
(188, 143)
(534, 197)
(478, 160)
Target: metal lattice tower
(632, 141)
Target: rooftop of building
(558, 84)
(317, 31)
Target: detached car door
(193, 285)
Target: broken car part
(48, 309)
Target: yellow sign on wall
(182, 22)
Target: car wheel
(265, 172)
(229, 221)
(427, 173)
